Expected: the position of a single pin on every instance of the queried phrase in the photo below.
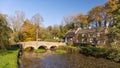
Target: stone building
(94, 36)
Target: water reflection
(54, 60)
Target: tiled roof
(71, 32)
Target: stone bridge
(38, 44)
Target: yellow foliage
(112, 4)
(81, 18)
(28, 31)
(29, 39)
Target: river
(51, 59)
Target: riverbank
(107, 53)
(8, 58)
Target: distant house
(94, 36)
(69, 37)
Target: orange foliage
(81, 18)
(112, 5)
(28, 31)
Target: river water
(50, 59)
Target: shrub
(98, 49)
(86, 50)
(114, 55)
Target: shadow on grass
(14, 47)
(9, 50)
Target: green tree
(4, 32)
(114, 8)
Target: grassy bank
(60, 51)
(107, 53)
(8, 58)
(70, 49)
(40, 51)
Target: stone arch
(29, 48)
(42, 47)
(53, 47)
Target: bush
(98, 49)
(93, 51)
(110, 54)
(114, 55)
(86, 50)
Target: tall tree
(16, 22)
(28, 31)
(95, 15)
(114, 8)
(4, 32)
(69, 23)
(55, 30)
(37, 19)
(81, 20)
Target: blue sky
(52, 11)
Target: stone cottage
(94, 36)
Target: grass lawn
(8, 58)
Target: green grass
(73, 47)
(51, 40)
(8, 58)
(98, 49)
(60, 51)
(40, 51)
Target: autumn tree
(96, 15)
(81, 20)
(28, 31)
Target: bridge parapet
(36, 44)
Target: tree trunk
(99, 24)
